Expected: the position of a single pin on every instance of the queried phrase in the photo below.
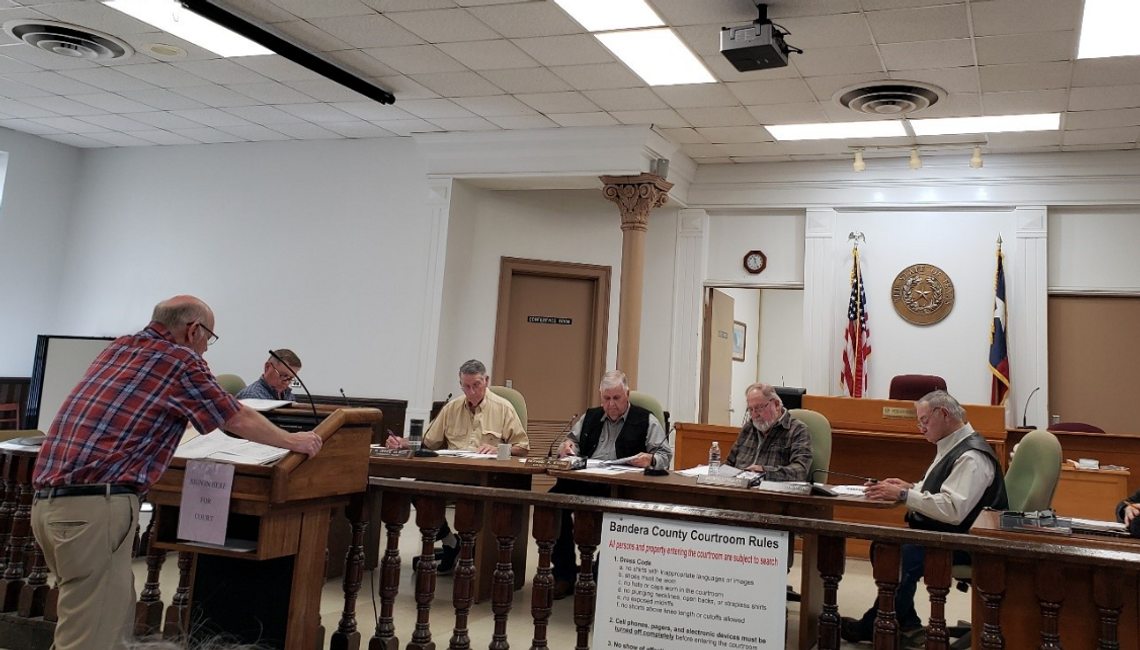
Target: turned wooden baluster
(468, 523)
(178, 614)
(831, 563)
(394, 512)
(429, 518)
(587, 536)
(547, 525)
(504, 524)
(13, 577)
(148, 610)
(1049, 587)
(51, 611)
(989, 581)
(34, 593)
(347, 636)
(936, 573)
(7, 506)
(1108, 596)
(885, 567)
(317, 613)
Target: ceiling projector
(758, 46)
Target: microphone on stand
(1025, 411)
(562, 435)
(316, 418)
(865, 479)
(345, 398)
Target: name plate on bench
(384, 452)
(723, 481)
(572, 462)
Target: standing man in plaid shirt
(112, 439)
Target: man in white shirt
(964, 478)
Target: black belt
(85, 490)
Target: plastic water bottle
(714, 457)
(416, 435)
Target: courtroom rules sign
(671, 585)
(205, 507)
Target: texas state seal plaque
(922, 294)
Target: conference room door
(716, 359)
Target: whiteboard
(60, 363)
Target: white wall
(1092, 249)
(746, 309)
(316, 246)
(781, 336)
(34, 217)
(779, 234)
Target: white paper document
(264, 404)
(216, 445)
(599, 468)
(463, 453)
(848, 490)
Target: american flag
(999, 354)
(857, 336)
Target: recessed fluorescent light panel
(657, 56)
(171, 18)
(838, 130)
(598, 16)
(1108, 28)
(995, 124)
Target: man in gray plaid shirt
(772, 442)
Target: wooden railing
(1001, 567)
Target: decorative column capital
(636, 197)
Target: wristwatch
(902, 494)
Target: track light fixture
(976, 159)
(859, 165)
(915, 161)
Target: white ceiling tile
(53, 82)
(567, 102)
(879, 5)
(805, 113)
(836, 30)
(697, 95)
(271, 92)
(163, 120)
(69, 124)
(311, 35)
(207, 135)
(63, 106)
(457, 84)
(1025, 76)
(810, 147)
(367, 31)
(701, 39)
(1031, 139)
(318, 113)
(928, 54)
(162, 99)
(374, 111)
(1085, 99)
(526, 20)
(28, 126)
(404, 88)
(1026, 103)
(952, 80)
(522, 122)
(444, 25)
(221, 71)
(9, 65)
(389, 6)
(417, 59)
(752, 160)
(408, 127)
(734, 134)
(1102, 136)
(276, 67)
(583, 119)
(112, 103)
(1113, 71)
(838, 60)
(1026, 48)
(702, 150)
(1024, 16)
(430, 109)
(108, 79)
(265, 115)
(923, 24)
(358, 129)
(499, 106)
(598, 76)
(254, 133)
(825, 88)
(162, 75)
(464, 124)
(526, 80)
(265, 11)
(211, 117)
(76, 140)
(684, 136)
(164, 137)
(954, 105)
(625, 99)
(576, 49)
(667, 118)
(120, 139)
(1068, 147)
(773, 91)
(324, 8)
(489, 55)
(22, 53)
(361, 63)
(1076, 120)
(143, 54)
(117, 123)
(687, 12)
(94, 15)
(214, 95)
(14, 90)
(725, 116)
(749, 149)
(325, 90)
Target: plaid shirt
(124, 419)
(262, 390)
(785, 452)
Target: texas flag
(999, 354)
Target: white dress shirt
(962, 489)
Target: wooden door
(716, 360)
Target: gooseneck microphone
(312, 404)
(562, 435)
(345, 398)
(865, 479)
(1025, 411)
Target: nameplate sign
(550, 320)
(384, 452)
(723, 481)
(572, 462)
(899, 413)
(205, 501)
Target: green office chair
(820, 429)
(650, 403)
(516, 400)
(231, 383)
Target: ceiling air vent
(68, 40)
(889, 97)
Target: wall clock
(755, 262)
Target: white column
(819, 303)
(689, 270)
(1027, 301)
(439, 209)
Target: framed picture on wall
(739, 333)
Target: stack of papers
(264, 404)
(29, 443)
(216, 445)
(462, 453)
(848, 490)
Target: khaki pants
(87, 543)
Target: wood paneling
(15, 390)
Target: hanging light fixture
(915, 161)
(859, 165)
(976, 159)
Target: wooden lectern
(264, 585)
